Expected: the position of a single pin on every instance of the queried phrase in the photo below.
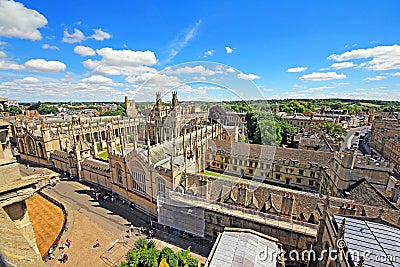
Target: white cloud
(322, 76)
(380, 57)
(154, 80)
(9, 65)
(99, 67)
(249, 76)
(97, 79)
(100, 35)
(60, 91)
(208, 53)
(315, 89)
(53, 47)
(76, 37)
(395, 74)
(2, 54)
(84, 51)
(343, 65)
(296, 69)
(18, 21)
(376, 78)
(126, 57)
(228, 50)
(41, 65)
(28, 80)
(231, 70)
(265, 88)
(182, 40)
(186, 70)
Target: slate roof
(306, 205)
(240, 248)
(379, 243)
(272, 152)
(363, 192)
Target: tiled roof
(271, 152)
(306, 204)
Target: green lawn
(104, 154)
(218, 175)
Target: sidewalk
(115, 245)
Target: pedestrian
(51, 255)
(68, 242)
(97, 244)
(65, 257)
(132, 228)
(61, 257)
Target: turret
(175, 102)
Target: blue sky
(103, 50)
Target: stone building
(385, 139)
(130, 108)
(194, 182)
(15, 225)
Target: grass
(104, 154)
(218, 175)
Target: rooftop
(379, 243)
(242, 247)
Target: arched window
(21, 147)
(138, 177)
(41, 150)
(118, 173)
(161, 187)
(31, 146)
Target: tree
(334, 130)
(46, 109)
(14, 110)
(145, 254)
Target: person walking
(68, 242)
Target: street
(113, 220)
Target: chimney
(287, 204)
(343, 209)
(290, 205)
(283, 205)
(353, 210)
(396, 193)
(242, 194)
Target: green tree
(334, 130)
(14, 110)
(46, 109)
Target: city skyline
(92, 51)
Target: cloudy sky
(206, 50)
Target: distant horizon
(225, 101)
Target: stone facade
(385, 139)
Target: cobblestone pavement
(107, 222)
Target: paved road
(79, 196)
(113, 217)
(350, 137)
